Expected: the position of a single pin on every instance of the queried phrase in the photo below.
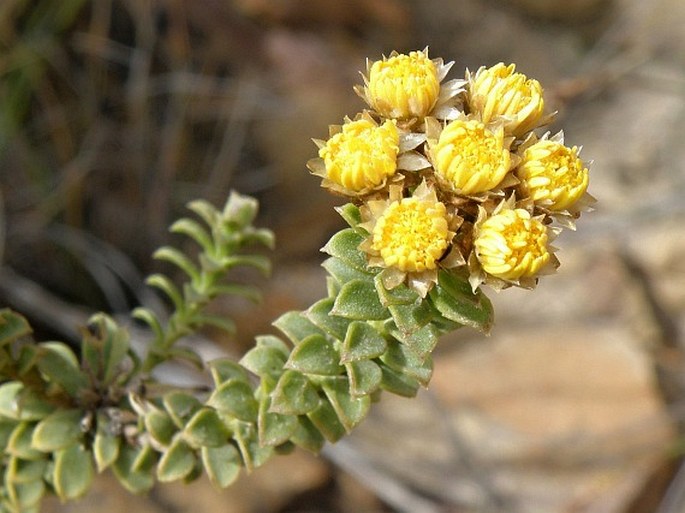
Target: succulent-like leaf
(315, 355)
(362, 342)
(25, 497)
(350, 213)
(358, 300)
(160, 426)
(222, 464)
(106, 444)
(398, 383)
(176, 463)
(273, 428)
(307, 436)
(19, 443)
(205, 429)
(321, 315)
(104, 348)
(12, 327)
(351, 410)
(133, 481)
(402, 359)
(235, 398)
(254, 455)
(365, 377)
(345, 246)
(225, 369)
(295, 326)
(21, 471)
(20, 403)
(181, 406)
(294, 394)
(73, 472)
(326, 421)
(341, 271)
(60, 366)
(454, 299)
(59, 430)
(264, 361)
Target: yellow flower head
(512, 245)
(362, 156)
(553, 174)
(501, 92)
(470, 157)
(403, 86)
(412, 234)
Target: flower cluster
(454, 174)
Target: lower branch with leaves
(448, 188)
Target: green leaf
(362, 342)
(164, 284)
(206, 429)
(327, 422)
(402, 359)
(106, 444)
(345, 246)
(351, 410)
(181, 406)
(148, 317)
(358, 300)
(134, 481)
(273, 428)
(453, 298)
(266, 362)
(365, 377)
(21, 471)
(295, 326)
(205, 210)
(341, 271)
(254, 455)
(294, 394)
(421, 342)
(12, 326)
(307, 436)
(19, 443)
(222, 464)
(9, 404)
(321, 315)
(400, 295)
(186, 354)
(160, 426)
(240, 209)
(73, 472)
(104, 347)
(6, 428)
(315, 355)
(350, 213)
(237, 399)
(225, 369)
(195, 231)
(216, 321)
(145, 459)
(176, 463)
(20, 403)
(26, 496)
(59, 364)
(398, 383)
(58, 430)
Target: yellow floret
(362, 155)
(412, 235)
(553, 174)
(403, 86)
(501, 92)
(512, 245)
(470, 157)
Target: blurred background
(115, 113)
